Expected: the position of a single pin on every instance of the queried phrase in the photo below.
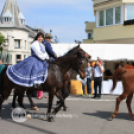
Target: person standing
(89, 72)
(98, 73)
(84, 82)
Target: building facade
(114, 22)
(18, 35)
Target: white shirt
(39, 50)
(89, 72)
(84, 81)
(97, 71)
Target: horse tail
(117, 75)
(2, 78)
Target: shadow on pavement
(107, 115)
(7, 109)
(6, 115)
(33, 127)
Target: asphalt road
(85, 116)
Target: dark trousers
(88, 85)
(83, 88)
(97, 83)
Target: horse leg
(60, 104)
(1, 101)
(15, 94)
(118, 101)
(33, 106)
(65, 94)
(51, 96)
(21, 98)
(128, 102)
(5, 94)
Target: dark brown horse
(54, 82)
(66, 80)
(127, 78)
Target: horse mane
(70, 51)
(69, 55)
(63, 59)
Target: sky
(66, 18)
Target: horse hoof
(28, 116)
(35, 108)
(65, 109)
(51, 119)
(132, 117)
(110, 119)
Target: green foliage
(2, 39)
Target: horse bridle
(77, 65)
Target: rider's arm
(50, 51)
(36, 49)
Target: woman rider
(51, 54)
(32, 71)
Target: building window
(101, 18)
(22, 21)
(109, 16)
(7, 19)
(129, 12)
(117, 15)
(25, 44)
(17, 44)
(18, 58)
(24, 56)
(6, 41)
(90, 35)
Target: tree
(2, 40)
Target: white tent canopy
(107, 52)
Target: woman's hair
(37, 36)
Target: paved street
(85, 116)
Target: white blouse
(39, 50)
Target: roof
(11, 9)
(7, 14)
(21, 16)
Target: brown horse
(56, 71)
(64, 89)
(127, 77)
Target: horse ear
(78, 46)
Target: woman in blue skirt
(33, 70)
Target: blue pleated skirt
(28, 72)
